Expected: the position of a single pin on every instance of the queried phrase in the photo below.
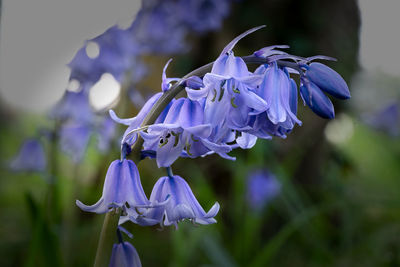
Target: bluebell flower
(158, 29)
(130, 135)
(122, 186)
(386, 119)
(74, 140)
(280, 92)
(203, 15)
(117, 53)
(31, 157)
(135, 122)
(182, 133)
(262, 187)
(105, 134)
(73, 106)
(180, 204)
(166, 82)
(327, 80)
(316, 99)
(124, 255)
(229, 90)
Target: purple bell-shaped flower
(74, 139)
(180, 204)
(122, 186)
(262, 187)
(229, 89)
(124, 255)
(31, 157)
(280, 92)
(73, 106)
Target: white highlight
(73, 86)
(92, 50)
(339, 130)
(105, 93)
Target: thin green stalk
(52, 195)
(108, 237)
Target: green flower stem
(52, 201)
(108, 237)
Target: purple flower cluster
(231, 107)
(171, 200)
(226, 108)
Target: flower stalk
(107, 238)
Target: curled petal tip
(230, 46)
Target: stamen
(162, 142)
(233, 104)
(176, 140)
(215, 95)
(222, 90)
(140, 213)
(193, 138)
(187, 148)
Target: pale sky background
(380, 35)
(39, 37)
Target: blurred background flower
(262, 187)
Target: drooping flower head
(182, 133)
(74, 139)
(203, 15)
(124, 255)
(262, 187)
(31, 157)
(280, 93)
(386, 119)
(105, 134)
(116, 52)
(134, 123)
(180, 204)
(73, 106)
(228, 89)
(158, 29)
(122, 186)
